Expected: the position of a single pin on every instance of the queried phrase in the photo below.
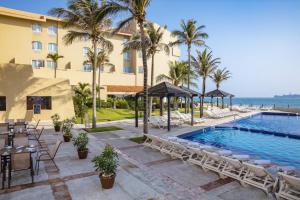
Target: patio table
(6, 153)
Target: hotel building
(27, 38)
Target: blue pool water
(280, 150)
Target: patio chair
(258, 177)
(153, 142)
(33, 126)
(213, 162)
(47, 156)
(19, 162)
(233, 168)
(167, 147)
(20, 140)
(289, 187)
(19, 127)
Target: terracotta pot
(82, 154)
(107, 182)
(57, 128)
(67, 138)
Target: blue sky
(257, 40)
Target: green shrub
(81, 141)
(122, 103)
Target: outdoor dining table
(6, 153)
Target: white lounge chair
(197, 156)
(258, 177)
(153, 142)
(180, 151)
(213, 162)
(233, 168)
(289, 187)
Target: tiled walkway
(143, 174)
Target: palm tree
(54, 57)
(219, 76)
(102, 60)
(85, 20)
(82, 93)
(190, 34)
(205, 65)
(154, 44)
(137, 11)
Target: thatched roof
(166, 89)
(193, 92)
(218, 93)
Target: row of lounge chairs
(239, 167)
(217, 113)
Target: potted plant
(66, 129)
(81, 142)
(107, 164)
(56, 123)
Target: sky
(258, 41)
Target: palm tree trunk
(99, 86)
(94, 85)
(203, 93)
(189, 71)
(55, 69)
(141, 25)
(152, 82)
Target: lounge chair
(153, 142)
(179, 151)
(258, 177)
(46, 155)
(197, 156)
(233, 168)
(289, 187)
(213, 162)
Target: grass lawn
(103, 129)
(138, 140)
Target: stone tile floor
(143, 173)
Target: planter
(57, 128)
(67, 138)
(107, 182)
(82, 154)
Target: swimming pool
(254, 137)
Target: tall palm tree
(205, 65)
(102, 60)
(137, 11)
(154, 44)
(190, 34)
(82, 93)
(219, 76)
(54, 57)
(85, 20)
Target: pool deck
(143, 173)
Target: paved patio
(143, 173)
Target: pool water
(289, 124)
(280, 150)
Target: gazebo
(162, 90)
(219, 93)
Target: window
(141, 69)
(127, 62)
(51, 64)
(87, 67)
(2, 103)
(44, 101)
(36, 45)
(52, 47)
(52, 30)
(36, 28)
(127, 69)
(37, 63)
(85, 51)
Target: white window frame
(36, 30)
(38, 63)
(52, 30)
(52, 65)
(52, 47)
(85, 69)
(33, 45)
(85, 51)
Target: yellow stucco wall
(16, 38)
(17, 82)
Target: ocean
(278, 102)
